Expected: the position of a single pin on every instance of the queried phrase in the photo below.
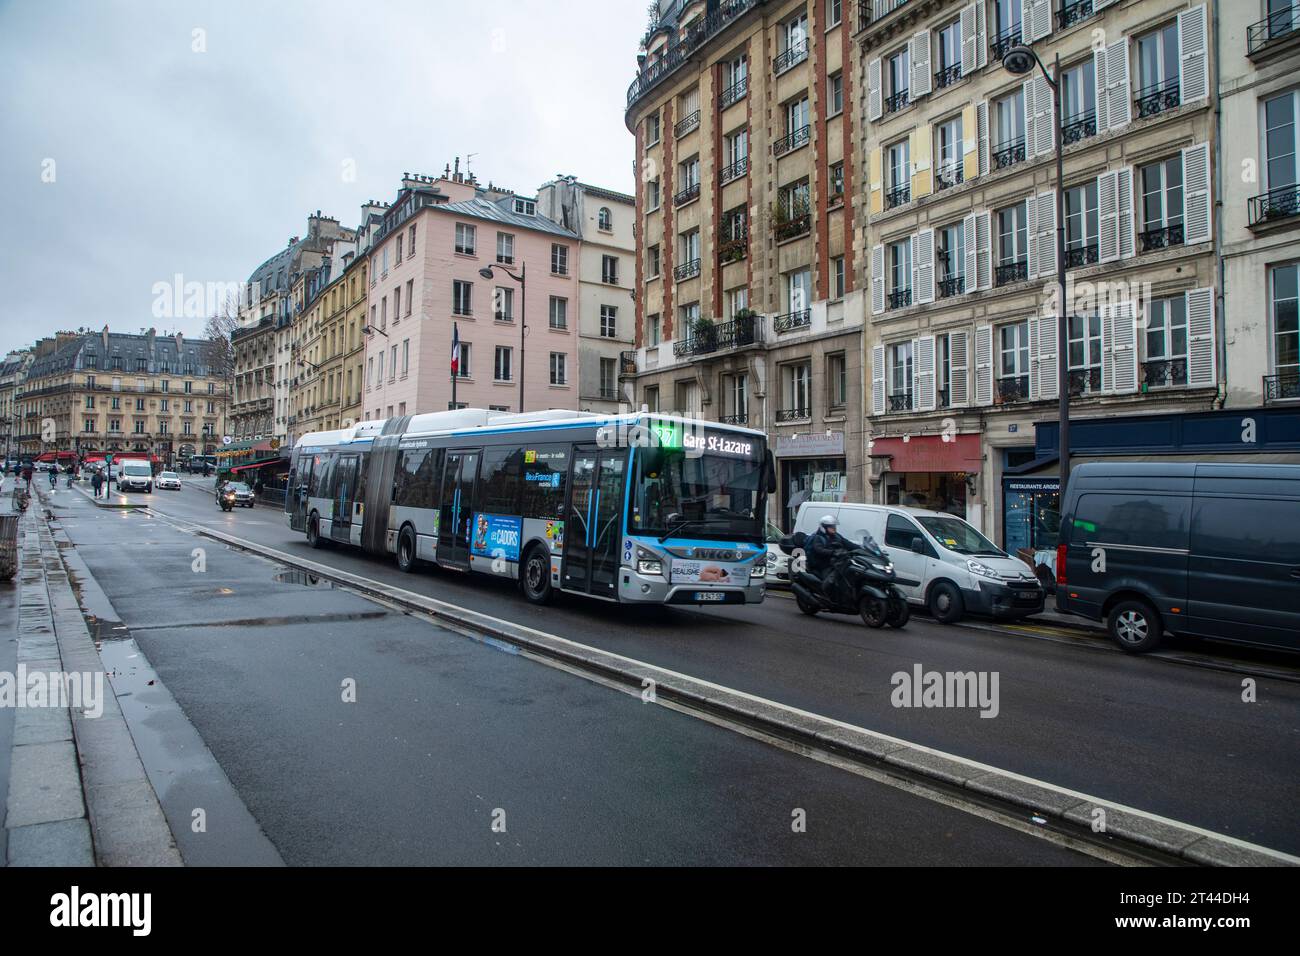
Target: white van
(940, 560)
(135, 475)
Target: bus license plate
(710, 596)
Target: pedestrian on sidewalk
(96, 482)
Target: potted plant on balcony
(787, 215)
(745, 323)
(704, 335)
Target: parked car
(940, 561)
(168, 480)
(778, 562)
(1205, 549)
(242, 493)
(135, 476)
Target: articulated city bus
(635, 507)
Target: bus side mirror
(769, 473)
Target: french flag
(455, 349)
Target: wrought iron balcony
(1160, 373)
(1085, 381)
(1009, 154)
(792, 141)
(733, 246)
(1279, 24)
(945, 177)
(1162, 237)
(793, 228)
(896, 102)
(951, 286)
(1078, 256)
(1011, 272)
(898, 196)
(687, 123)
(740, 418)
(1158, 97)
(675, 54)
(1278, 388)
(788, 415)
(627, 363)
(1074, 11)
(687, 270)
(793, 56)
(899, 298)
(734, 93)
(947, 76)
(1079, 128)
(737, 169)
(869, 11)
(707, 339)
(900, 402)
(1003, 42)
(689, 194)
(1275, 204)
(792, 321)
(1012, 389)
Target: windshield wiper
(678, 527)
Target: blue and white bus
(634, 507)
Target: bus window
(416, 481)
(545, 470)
(500, 472)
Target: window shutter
(1033, 357)
(1046, 264)
(875, 184)
(875, 100)
(968, 228)
(1102, 88)
(1027, 100)
(1035, 19)
(1196, 193)
(983, 250)
(969, 41)
(877, 380)
(1108, 217)
(957, 365)
(919, 153)
(923, 251)
(1127, 214)
(923, 350)
(877, 279)
(1031, 236)
(982, 135)
(1044, 113)
(984, 365)
(918, 53)
(1200, 338)
(912, 394)
(1121, 349)
(981, 40)
(1119, 108)
(1049, 377)
(1193, 71)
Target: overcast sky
(169, 160)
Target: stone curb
(1146, 833)
(102, 503)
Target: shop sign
(811, 445)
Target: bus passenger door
(345, 497)
(593, 521)
(301, 484)
(456, 508)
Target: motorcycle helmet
(828, 521)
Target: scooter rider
(821, 549)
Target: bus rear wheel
(535, 576)
(313, 532)
(406, 550)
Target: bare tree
(219, 351)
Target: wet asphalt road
(448, 735)
(1170, 739)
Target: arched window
(605, 219)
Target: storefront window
(1031, 513)
(810, 479)
(931, 490)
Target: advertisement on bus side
(496, 536)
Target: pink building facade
(424, 276)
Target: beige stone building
(749, 308)
(329, 350)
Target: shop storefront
(809, 468)
(933, 472)
(1031, 515)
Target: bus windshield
(696, 496)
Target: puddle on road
(302, 578)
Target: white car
(778, 562)
(168, 480)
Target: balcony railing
(675, 54)
(1282, 387)
(687, 270)
(627, 363)
(737, 169)
(943, 396)
(951, 286)
(1161, 373)
(947, 76)
(707, 339)
(1158, 97)
(945, 177)
(900, 402)
(1085, 381)
(687, 123)
(1013, 389)
(1003, 42)
(793, 321)
(1081, 256)
(689, 194)
(1275, 204)
(1079, 128)
(898, 196)
(1009, 154)
(733, 246)
(734, 93)
(792, 141)
(1010, 272)
(869, 11)
(793, 228)
(899, 298)
(787, 415)
(793, 56)
(740, 418)
(1279, 24)
(896, 102)
(1162, 237)
(1074, 11)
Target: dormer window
(526, 207)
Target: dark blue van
(1207, 549)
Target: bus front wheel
(535, 576)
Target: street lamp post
(1019, 60)
(487, 273)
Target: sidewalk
(77, 791)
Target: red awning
(930, 453)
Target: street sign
(225, 439)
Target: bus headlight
(650, 567)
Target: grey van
(1211, 550)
